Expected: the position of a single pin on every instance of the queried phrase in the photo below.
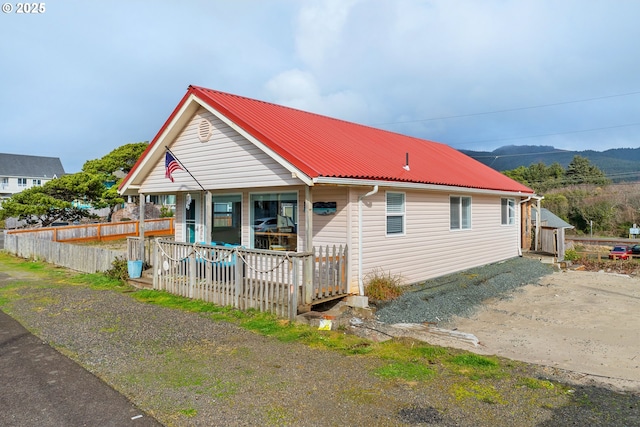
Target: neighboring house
(551, 232)
(19, 172)
(402, 205)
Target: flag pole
(185, 168)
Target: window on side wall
(459, 213)
(508, 211)
(395, 213)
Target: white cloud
(320, 28)
(299, 89)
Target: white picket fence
(278, 282)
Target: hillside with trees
(582, 195)
(619, 164)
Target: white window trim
(511, 211)
(402, 214)
(460, 227)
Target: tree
(111, 168)
(121, 160)
(96, 185)
(35, 206)
(582, 171)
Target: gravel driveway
(187, 370)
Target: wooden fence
(271, 281)
(87, 259)
(99, 231)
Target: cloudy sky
(84, 77)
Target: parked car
(272, 224)
(635, 249)
(621, 252)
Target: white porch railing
(271, 281)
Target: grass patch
(475, 366)
(99, 281)
(190, 413)
(482, 392)
(278, 416)
(535, 384)
(408, 371)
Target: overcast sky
(85, 77)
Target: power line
(510, 109)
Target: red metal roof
(322, 146)
(328, 147)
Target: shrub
(383, 286)
(571, 255)
(165, 212)
(119, 270)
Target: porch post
(308, 246)
(141, 226)
(208, 222)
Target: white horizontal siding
(429, 248)
(226, 161)
(331, 229)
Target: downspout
(360, 279)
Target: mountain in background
(619, 164)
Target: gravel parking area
(461, 294)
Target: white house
(261, 175)
(19, 172)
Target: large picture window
(227, 219)
(395, 213)
(508, 211)
(460, 212)
(274, 218)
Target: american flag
(170, 165)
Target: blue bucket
(135, 269)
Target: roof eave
(418, 186)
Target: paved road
(41, 387)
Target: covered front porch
(281, 282)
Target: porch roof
(321, 146)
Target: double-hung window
(22, 182)
(508, 211)
(395, 213)
(460, 212)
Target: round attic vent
(204, 130)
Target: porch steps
(143, 282)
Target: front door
(190, 219)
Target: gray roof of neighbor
(30, 166)
(549, 219)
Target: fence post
(239, 278)
(192, 273)
(293, 290)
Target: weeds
(383, 286)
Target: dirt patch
(584, 322)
